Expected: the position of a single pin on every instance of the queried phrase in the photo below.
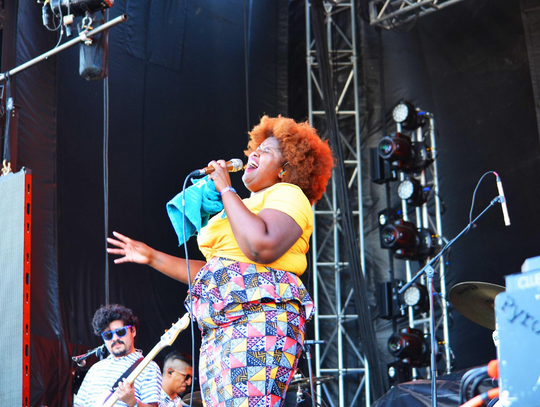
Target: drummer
(177, 376)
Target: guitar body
(104, 398)
(108, 399)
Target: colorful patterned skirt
(252, 320)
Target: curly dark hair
(308, 159)
(113, 312)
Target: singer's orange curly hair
(310, 159)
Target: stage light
(416, 297)
(407, 241)
(387, 216)
(412, 346)
(403, 154)
(79, 7)
(409, 344)
(408, 116)
(396, 147)
(411, 191)
(399, 372)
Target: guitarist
(118, 327)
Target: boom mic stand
(429, 270)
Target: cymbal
(304, 381)
(197, 399)
(475, 301)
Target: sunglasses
(188, 376)
(120, 332)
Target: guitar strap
(127, 373)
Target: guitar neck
(166, 340)
(140, 367)
(136, 372)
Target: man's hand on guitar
(126, 393)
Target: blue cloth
(202, 201)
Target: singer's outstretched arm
(137, 252)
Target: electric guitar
(167, 339)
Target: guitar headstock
(169, 337)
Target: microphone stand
(310, 370)
(429, 270)
(82, 37)
(81, 359)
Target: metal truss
(390, 14)
(335, 321)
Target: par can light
(408, 116)
(416, 297)
(411, 191)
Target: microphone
(502, 200)
(233, 165)
(81, 359)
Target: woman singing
(248, 299)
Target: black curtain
(181, 78)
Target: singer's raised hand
(132, 250)
(220, 175)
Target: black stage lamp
(409, 344)
(79, 7)
(416, 297)
(396, 147)
(411, 191)
(404, 154)
(399, 372)
(388, 216)
(408, 116)
(412, 346)
(409, 242)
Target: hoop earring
(280, 175)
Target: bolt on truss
(397, 14)
(335, 321)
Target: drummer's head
(177, 373)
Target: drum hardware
(197, 399)
(475, 301)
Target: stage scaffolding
(335, 321)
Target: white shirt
(101, 377)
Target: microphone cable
(189, 288)
(474, 198)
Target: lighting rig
(59, 15)
(412, 233)
(401, 15)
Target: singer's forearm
(174, 267)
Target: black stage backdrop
(178, 99)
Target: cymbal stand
(310, 370)
(429, 270)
